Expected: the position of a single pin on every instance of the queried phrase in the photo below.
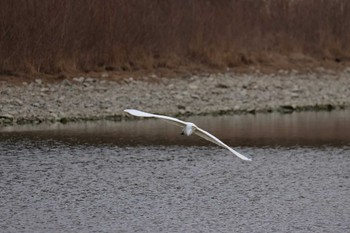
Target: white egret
(189, 128)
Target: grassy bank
(53, 36)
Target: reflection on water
(142, 176)
(304, 129)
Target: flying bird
(188, 129)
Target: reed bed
(53, 36)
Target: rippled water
(101, 178)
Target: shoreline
(89, 99)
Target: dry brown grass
(51, 36)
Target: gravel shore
(86, 98)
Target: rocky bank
(86, 98)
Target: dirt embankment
(63, 60)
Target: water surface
(142, 176)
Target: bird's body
(188, 129)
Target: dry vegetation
(51, 36)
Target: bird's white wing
(204, 134)
(138, 113)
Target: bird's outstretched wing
(204, 134)
(200, 132)
(138, 113)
